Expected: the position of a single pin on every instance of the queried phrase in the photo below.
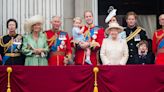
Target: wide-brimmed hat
(114, 25)
(31, 21)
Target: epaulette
(2, 43)
(142, 28)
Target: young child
(144, 56)
(78, 36)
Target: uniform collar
(90, 26)
(55, 30)
(134, 28)
(12, 35)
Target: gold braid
(159, 37)
(51, 40)
(132, 35)
(5, 46)
(87, 33)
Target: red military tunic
(159, 52)
(80, 54)
(56, 57)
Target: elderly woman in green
(34, 44)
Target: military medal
(96, 32)
(62, 43)
(137, 38)
(61, 46)
(94, 36)
(17, 41)
(62, 37)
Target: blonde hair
(87, 12)
(77, 18)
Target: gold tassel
(95, 70)
(95, 89)
(9, 70)
(8, 90)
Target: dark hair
(143, 42)
(8, 21)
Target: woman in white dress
(114, 51)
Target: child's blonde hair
(77, 18)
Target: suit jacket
(133, 42)
(147, 59)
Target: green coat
(28, 44)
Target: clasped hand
(38, 51)
(84, 45)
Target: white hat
(31, 21)
(112, 13)
(114, 25)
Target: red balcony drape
(130, 78)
